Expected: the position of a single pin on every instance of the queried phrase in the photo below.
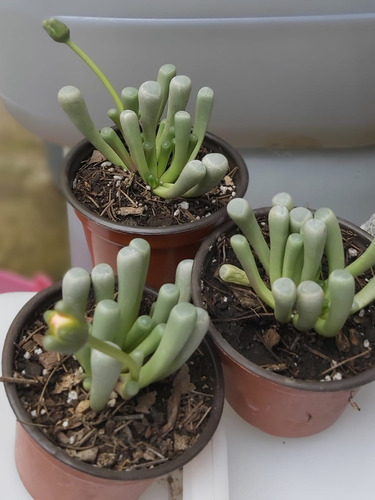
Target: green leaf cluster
(155, 135)
(299, 242)
(121, 349)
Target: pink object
(11, 282)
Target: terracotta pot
(47, 472)
(279, 405)
(169, 245)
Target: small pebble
(107, 164)
(366, 343)
(337, 376)
(27, 355)
(72, 396)
(352, 252)
(184, 205)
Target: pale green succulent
(299, 239)
(157, 136)
(121, 349)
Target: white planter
(285, 73)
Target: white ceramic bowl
(285, 73)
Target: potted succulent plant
(99, 376)
(290, 295)
(164, 177)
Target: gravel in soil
(122, 196)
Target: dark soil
(249, 327)
(121, 196)
(158, 424)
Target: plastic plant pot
(47, 471)
(276, 404)
(169, 245)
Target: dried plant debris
(122, 196)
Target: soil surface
(122, 196)
(158, 424)
(250, 328)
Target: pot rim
(81, 151)
(35, 305)
(303, 385)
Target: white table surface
(335, 464)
